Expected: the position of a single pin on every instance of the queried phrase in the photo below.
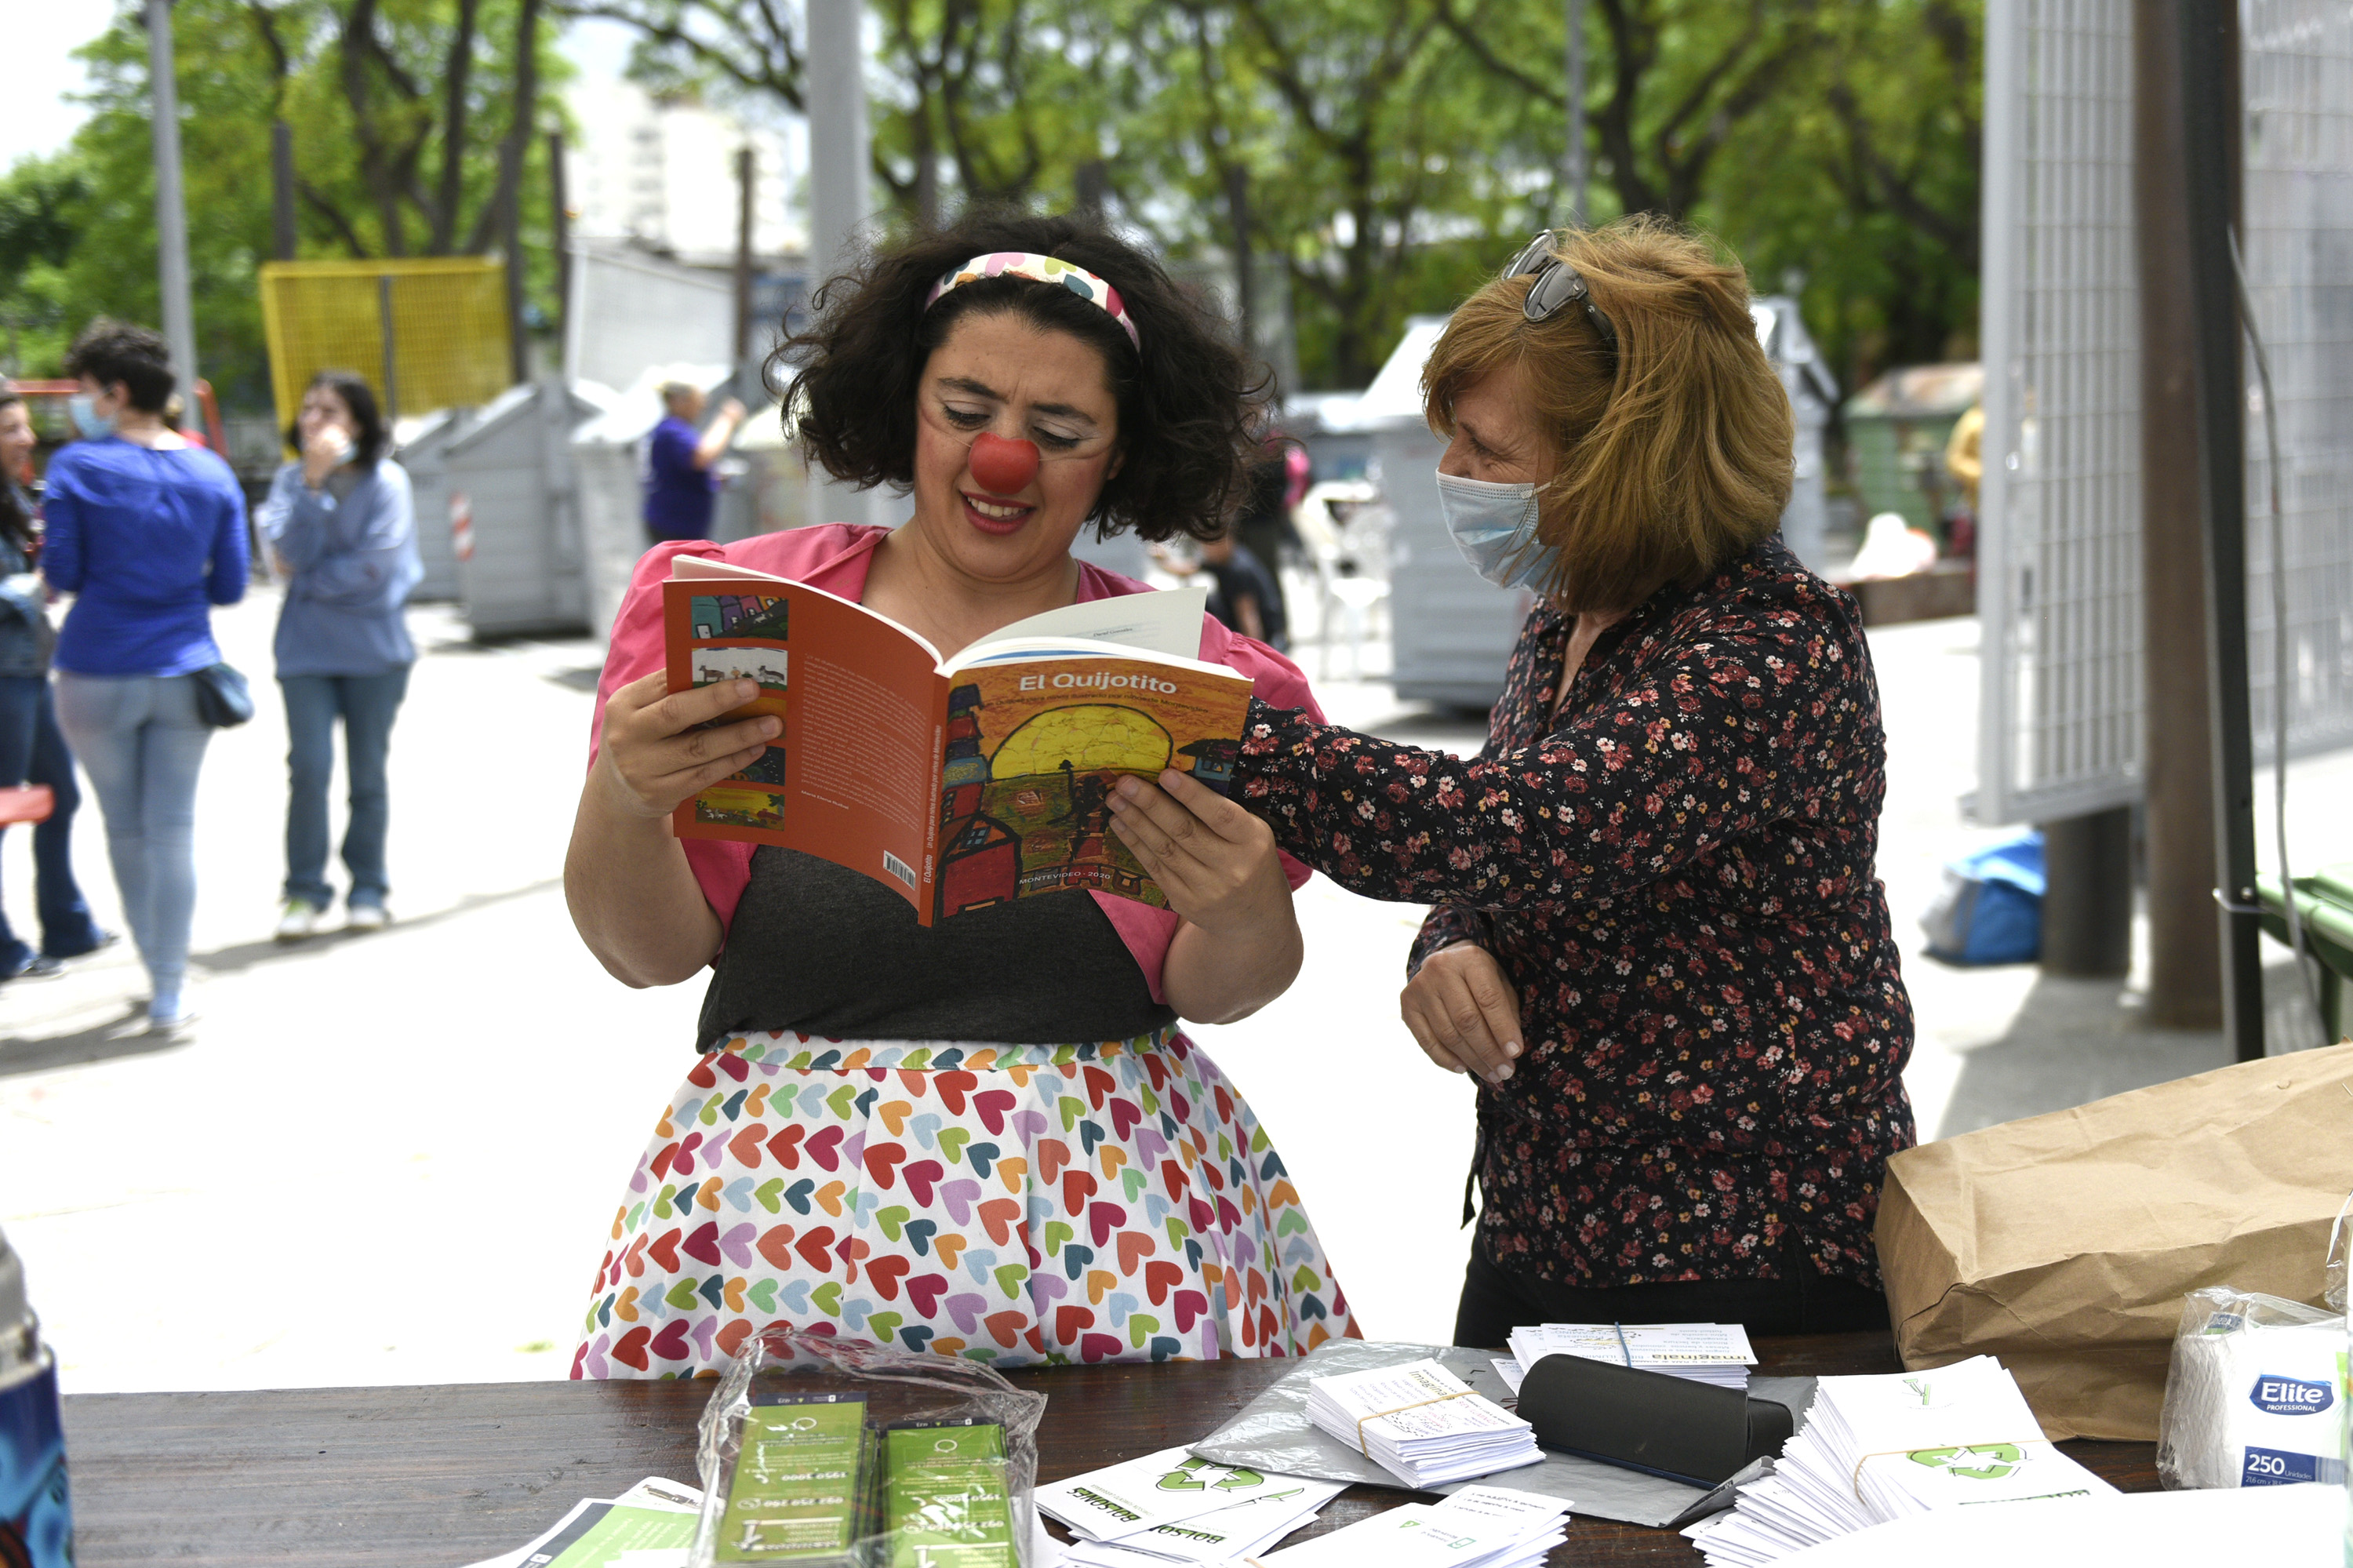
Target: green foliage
(1369, 154)
(1872, 195)
(356, 79)
(1370, 159)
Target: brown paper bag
(2063, 1244)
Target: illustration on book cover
(724, 627)
(1031, 760)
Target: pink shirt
(835, 556)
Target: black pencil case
(1649, 1421)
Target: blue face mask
(1495, 527)
(87, 420)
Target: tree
(396, 131)
(1355, 142)
(1868, 200)
(1871, 203)
(1679, 79)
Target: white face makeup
(1003, 376)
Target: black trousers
(1803, 1301)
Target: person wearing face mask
(1657, 940)
(343, 529)
(989, 1138)
(148, 534)
(32, 749)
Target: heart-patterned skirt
(1017, 1204)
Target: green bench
(2324, 901)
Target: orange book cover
(959, 788)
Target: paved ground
(390, 1158)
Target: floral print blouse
(1677, 875)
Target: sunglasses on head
(1558, 286)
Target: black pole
(2210, 113)
(281, 191)
(745, 173)
(391, 377)
(560, 228)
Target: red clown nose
(1003, 467)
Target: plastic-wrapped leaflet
(799, 1484)
(2255, 1396)
(945, 1502)
(827, 1452)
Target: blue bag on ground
(1990, 911)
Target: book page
(851, 776)
(1165, 622)
(1033, 751)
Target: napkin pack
(2255, 1396)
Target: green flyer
(795, 1494)
(946, 1501)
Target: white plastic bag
(2255, 1395)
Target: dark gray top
(829, 952)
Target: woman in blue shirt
(343, 529)
(148, 532)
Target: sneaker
(105, 941)
(365, 917)
(40, 966)
(296, 919)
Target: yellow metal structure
(426, 333)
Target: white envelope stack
(1421, 1424)
(1171, 1508)
(1881, 1448)
(1716, 1354)
(1478, 1527)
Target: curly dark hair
(109, 351)
(369, 441)
(1191, 406)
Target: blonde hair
(1671, 457)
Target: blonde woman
(1658, 942)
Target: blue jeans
(142, 742)
(367, 705)
(32, 751)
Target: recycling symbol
(1185, 1478)
(1995, 1460)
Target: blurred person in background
(1243, 593)
(1263, 528)
(148, 534)
(32, 749)
(341, 523)
(678, 474)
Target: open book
(960, 781)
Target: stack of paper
(1478, 1527)
(1716, 1354)
(1881, 1448)
(1421, 1424)
(651, 1525)
(1172, 1508)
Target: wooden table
(436, 1476)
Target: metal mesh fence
(2298, 255)
(2058, 586)
(2059, 575)
(428, 332)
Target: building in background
(661, 173)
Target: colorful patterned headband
(1042, 270)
